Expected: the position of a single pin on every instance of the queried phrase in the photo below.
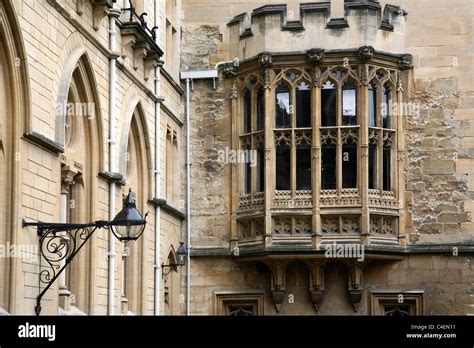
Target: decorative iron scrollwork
(59, 244)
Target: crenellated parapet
(271, 28)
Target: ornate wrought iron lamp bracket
(59, 243)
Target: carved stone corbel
(315, 55)
(316, 282)
(150, 63)
(278, 288)
(68, 174)
(406, 61)
(139, 52)
(230, 69)
(127, 43)
(80, 6)
(99, 11)
(355, 270)
(366, 53)
(265, 59)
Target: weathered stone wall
(199, 45)
(433, 274)
(210, 133)
(439, 167)
(434, 139)
(439, 140)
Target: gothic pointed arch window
(171, 286)
(15, 122)
(293, 142)
(252, 139)
(328, 103)
(5, 106)
(135, 163)
(349, 103)
(79, 163)
(381, 132)
(339, 132)
(283, 106)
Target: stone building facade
(333, 169)
(331, 160)
(91, 109)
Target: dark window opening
(260, 109)
(386, 169)
(328, 167)
(372, 105)
(247, 112)
(372, 166)
(247, 178)
(303, 105)
(303, 168)
(349, 104)
(328, 104)
(283, 167)
(386, 108)
(283, 115)
(260, 171)
(349, 166)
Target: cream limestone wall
(52, 32)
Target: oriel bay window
(252, 138)
(332, 138)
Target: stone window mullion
(316, 161)
(253, 171)
(400, 152)
(235, 169)
(339, 161)
(293, 142)
(379, 124)
(269, 155)
(363, 164)
(339, 141)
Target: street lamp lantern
(59, 249)
(180, 262)
(181, 254)
(128, 224)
